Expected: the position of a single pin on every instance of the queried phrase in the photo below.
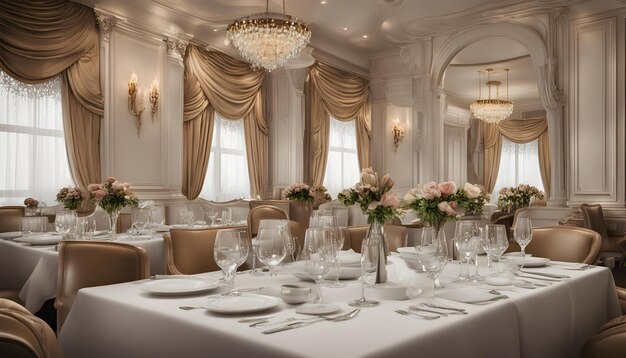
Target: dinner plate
(10, 235)
(178, 286)
(467, 295)
(318, 308)
(529, 261)
(41, 239)
(244, 303)
(187, 227)
(349, 258)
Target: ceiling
(350, 29)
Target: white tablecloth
(33, 269)
(121, 320)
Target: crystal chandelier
(268, 40)
(492, 110)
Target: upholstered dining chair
(621, 296)
(610, 342)
(87, 264)
(593, 218)
(10, 218)
(263, 212)
(22, 335)
(565, 243)
(191, 251)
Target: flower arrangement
(299, 192)
(518, 196)
(31, 203)
(373, 196)
(112, 195)
(70, 197)
(473, 198)
(435, 203)
(320, 192)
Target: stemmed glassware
(85, 227)
(230, 251)
(495, 242)
(335, 235)
(157, 218)
(523, 234)
(211, 214)
(467, 243)
(65, 221)
(432, 254)
(271, 247)
(33, 224)
(318, 254)
(140, 217)
(369, 263)
(186, 217)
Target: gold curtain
(517, 131)
(217, 82)
(42, 39)
(345, 97)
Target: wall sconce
(398, 134)
(154, 97)
(136, 103)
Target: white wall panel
(398, 163)
(455, 154)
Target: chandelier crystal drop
(268, 40)
(492, 110)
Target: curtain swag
(517, 131)
(345, 97)
(217, 82)
(41, 39)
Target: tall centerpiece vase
(113, 214)
(376, 233)
(301, 212)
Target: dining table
(550, 318)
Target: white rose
(472, 191)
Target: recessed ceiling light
(364, 36)
(215, 30)
(323, 2)
(345, 29)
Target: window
(342, 167)
(33, 158)
(227, 173)
(519, 163)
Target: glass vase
(113, 214)
(30, 211)
(376, 234)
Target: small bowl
(295, 294)
(390, 291)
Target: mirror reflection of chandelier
(268, 40)
(492, 110)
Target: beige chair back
(22, 335)
(263, 212)
(354, 236)
(593, 218)
(10, 218)
(191, 251)
(124, 222)
(609, 343)
(87, 264)
(565, 243)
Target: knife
(292, 326)
(546, 274)
(540, 278)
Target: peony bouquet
(435, 203)
(320, 192)
(70, 197)
(31, 203)
(519, 196)
(299, 192)
(112, 195)
(373, 196)
(473, 198)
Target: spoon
(426, 317)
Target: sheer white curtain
(227, 173)
(342, 167)
(519, 164)
(33, 159)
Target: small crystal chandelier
(492, 110)
(268, 40)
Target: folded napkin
(349, 258)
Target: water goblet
(33, 224)
(271, 248)
(466, 241)
(317, 253)
(186, 216)
(85, 227)
(226, 217)
(369, 264)
(230, 251)
(65, 221)
(432, 254)
(211, 214)
(523, 234)
(495, 242)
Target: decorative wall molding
(177, 45)
(106, 21)
(340, 63)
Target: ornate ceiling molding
(106, 22)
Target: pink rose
(390, 200)
(431, 191)
(110, 180)
(100, 194)
(472, 191)
(444, 207)
(387, 183)
(447, 188)
(93, 187)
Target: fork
(426, 317)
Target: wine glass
(523, 234)
(271, 248)
(140, 217)
(369, 264)
(85, 227)
(432, 254)
(156, 218)
(466, 242)
(226, 217)
(65, 221)
(230, 251)
(186, 216)
(318, 254)
(33, 224)
(495, 242)
(211, 214)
